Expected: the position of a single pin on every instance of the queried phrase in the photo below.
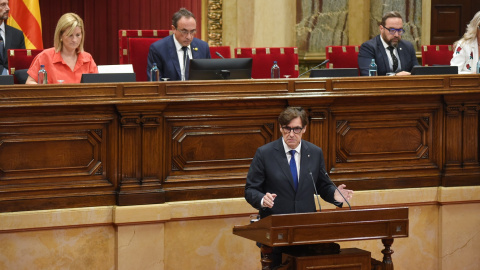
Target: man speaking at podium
(284, 173)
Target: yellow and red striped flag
(25, 15)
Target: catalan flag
(25, 15)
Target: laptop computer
(110, 73)
(107, 77)
(334, 72)
(434, 70)
(6, 79)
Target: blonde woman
(466, 54)
(67, 61)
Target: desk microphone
(328, 177)
(321, 64)
(217, 53)
(316, 193)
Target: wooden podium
(328, 227)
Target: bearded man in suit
(392, 55)
(281, 176)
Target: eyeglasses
(186, 32)
(296, 130)
(393, 30)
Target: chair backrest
(342, 56)
(436, 55)
(134, 47)
(286, 57)
(19, 59)
(223, 50)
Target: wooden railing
(141, 143)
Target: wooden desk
(328, 227)
(151, 142)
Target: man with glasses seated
(284, 174)
(172, 54)
(392, 55)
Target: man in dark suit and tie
(281, 176)
(173, 53)
(392, 55)
(10, 37)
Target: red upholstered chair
(286, 57)
(134, 46)
(436, 55)
(342, 56)
(223, 50)
(20, 60)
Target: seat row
(134, 46)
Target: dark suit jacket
(14, 40)
(164, 53)
(270, 172)
(373, 49)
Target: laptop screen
(434, 70)
(107, 77)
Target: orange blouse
(57, 69)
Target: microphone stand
(328, 177)
(316, 193)
(321, 64)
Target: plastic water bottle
(275, 71)
(372, 69)
(478, 66)
(42, 75)
(154, 73)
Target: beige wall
(259, 23)
(444, 234)
(273, 23)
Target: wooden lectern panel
(347, 259)
(327, 227)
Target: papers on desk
(127, 68)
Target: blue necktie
(293, 169)
(186, 61)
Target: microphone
(321, 64)
(316, 193)
(328, 177)
(217, 53)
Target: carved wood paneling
(137, 143)
(450, 18)
(141, 155)
(216, 150)
(47, 157)
(462, 164)
(386, 141)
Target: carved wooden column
(453, 136)
(461, 143)
(215, 23)
(470, 136)
(319, 128)
(267, 256)
(141, 158)
(387, 254)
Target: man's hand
(268, 200)
(347, 193)
(403, 73)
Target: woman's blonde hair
(66, 25)
(471, 32)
